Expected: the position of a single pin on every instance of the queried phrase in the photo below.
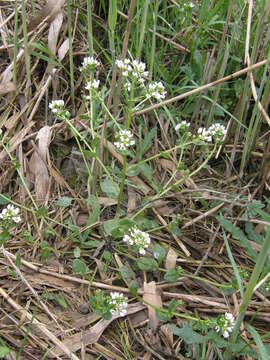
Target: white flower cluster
(182, 126)
(11, 214)
(118, 304)
(56, 105)
(156, 90)
(216, 132)
(90, 85)
(225, 324)
(125, 140)
(89, 63)
(133, 68)
(137, 238)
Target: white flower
(140, 240)
(92, 85)
(124, 66)
(157, 90)
(118, 304)
(125, 140)
(1, 132)
(225, 324)
(204, 135)
(11, 214)
(127, 85)
(139, 69)
(215, 132)
(89, 63)
(56, 105)
(182, 126)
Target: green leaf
(147, 171)
(133, 287)
(235, 268)
(4, 351)
(93, 202)
(18, 260)
(61, 301)
(110, 188)
(147, 264)
(4, 236)
(79, 267)
(258, 340)
(173, 275)
(65, 201)
(162, 315)
(126, 273)
(147, 142)
(91, 244)
(112, 15)
(159, 252)
(133, 170)
(110, 225)
(42, 212)
(77, 252)
(187, 334)
(4, 200)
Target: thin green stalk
(143, 27)
(16, 43)
(179, 182)
(75, 131)
(20, 176)
(33, 5)
(90, 28)
(71, 64)
(120, 196)
(84, 158)
(153, 48)
(249, 291)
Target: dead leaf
(94, 333)
(63, 49)
(54, 32)
(7, 87)
(131, 200)
(51, 8)
(152, 296)
(38, 164)
(171, 259)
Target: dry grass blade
(48, 12)
(41, 327)
(38, 165)
(171, 258)
(152, 296)
(92, 335)
(7, 87)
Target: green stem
(177, 183)
(249, 292)
(120, 196)
(75, 131)
(90, 27)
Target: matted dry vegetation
(45, 309)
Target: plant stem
(120, 196)
(177, 183)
